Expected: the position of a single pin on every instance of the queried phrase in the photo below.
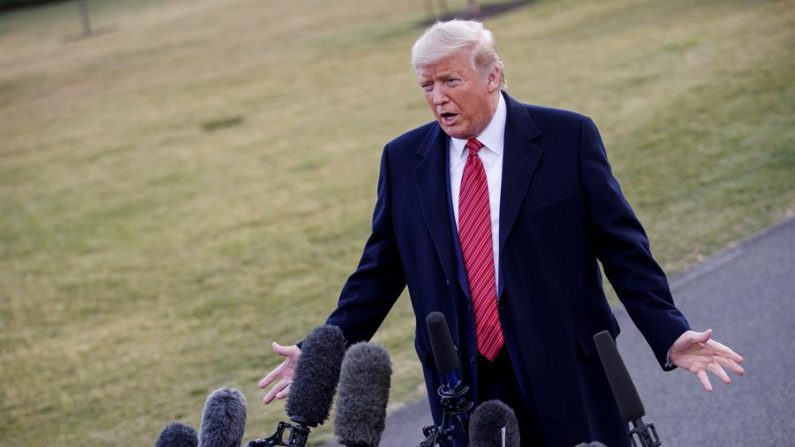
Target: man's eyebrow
(440, 76)
(447, 76)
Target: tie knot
(474, 146)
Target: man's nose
(439, 96)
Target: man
(497, 214)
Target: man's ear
(495, 75)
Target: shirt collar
(492, 137)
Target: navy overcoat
(562, 212)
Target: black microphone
(223, 419)
(313, 387)
(452, 392)
(177, 434)
(493, 424)
(363, 394)
(444, 351)
(624, 391)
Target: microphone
(363, 394)
(590, 444)
(223, 419)
(452, 392)
(177, 434)
(316, 376)
(313, 387)
(624, 391)
(444, 351)
(493, 424)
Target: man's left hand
(698, 353)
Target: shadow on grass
(486, 11)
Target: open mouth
(448, 118)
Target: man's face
(461, 97)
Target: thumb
(688, 339)
(285, 351)
(702, 337)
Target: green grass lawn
(198, 179)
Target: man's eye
(427, 87)
(453, 82)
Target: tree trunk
(473, 8)
(84, 20)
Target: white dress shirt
(493, 139)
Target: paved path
(747, 295)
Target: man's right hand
(284, 373)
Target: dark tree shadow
(486, 11)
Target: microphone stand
(646, 434)
(454, 407)
(298, 435)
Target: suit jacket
(561, 211)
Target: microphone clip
(297, 437)
(453, 399)
(455, 407)
(645, 433)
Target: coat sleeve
(622, 247)
(378, 281)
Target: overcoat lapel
(429, 175)
(520, 161)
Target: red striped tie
(474, 231)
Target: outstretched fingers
(278, 391)
(731, 364)
(699, 353)
(702, 376)
(282, 375)
(273, 375)
(725, 351)
(284, 393)
(719, 371)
